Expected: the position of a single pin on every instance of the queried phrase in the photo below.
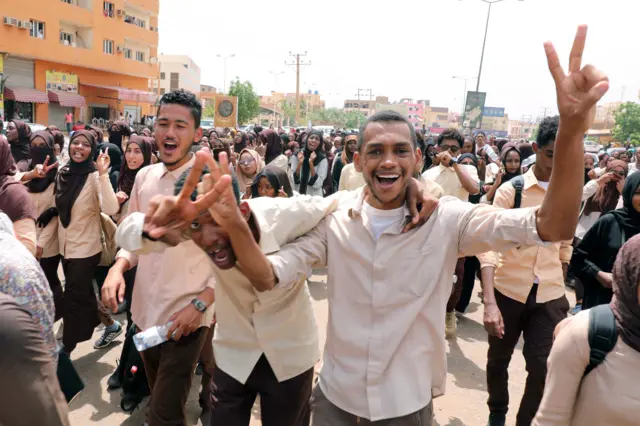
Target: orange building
(92, 57)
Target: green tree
(248, 101)
(627, 123)
(209, 110)
(355, 119)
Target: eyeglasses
(620, 173)
(452, 148)
(246, 162)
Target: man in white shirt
(385, 355)
(483, 148)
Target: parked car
(591, 146)
(206, 124)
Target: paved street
(464, 403)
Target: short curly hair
(547, 131)
(451, 134)
(186, 99)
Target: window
(162, 76)
(140, 23)
(67, 1)
(107, 47)
(140, 56)
(66, 38)
(128, 53)
(108, 8)
(37, 29)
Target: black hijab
(274, 144)
(628, 218)
(127, 176)
(38, 155)
(276, 177)
(303, 180)
(20, 148)
(506, 149)
(72, 177)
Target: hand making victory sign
(40, 171)
(580, 89)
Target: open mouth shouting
(170, 147)
(222, 255)
(386, 180)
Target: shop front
(20, 95)
(62, 91)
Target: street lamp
(486, 29)
(224, 58)
(275, 90)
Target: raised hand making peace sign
(580, 89)
(103, 162)
(40, 171)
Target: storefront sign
(1, 87)
(226, 111)
(61, 81)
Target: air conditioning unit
(120, 12)
(7, 20)
(26, 25)
(11, 21)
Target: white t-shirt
(380, 220)
(544, 185)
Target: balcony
(144, 7)
(75, 36)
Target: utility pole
(370, 91)
(297, 63)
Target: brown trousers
(325, 413)
(30, 392)
(80, 311)
(536, 321)
(169, 368)
(281, 403)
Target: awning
(67, 99)
(131, 95)
(23, 94)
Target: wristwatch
(199, 304)
(452, 162)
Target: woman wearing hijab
(353, 178)
(119, 133)
(271, 182)
(136, 156)
(594, 256)
(40, 182)
(83, 191)
(15, 201)
(58, 146)
(114, 150)
(273, 143)
(249, 165)
(18, 134)
(608, 394)
(310, 166)
(511, 159)
(239, 143)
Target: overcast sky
(405, 48)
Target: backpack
(518, 184)
(603, 335)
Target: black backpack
(603, 335)
(518, 184)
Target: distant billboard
(473, 109)
(493, 112)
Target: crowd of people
(164, 223)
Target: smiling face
(79, 149)
(214, 240)
(175, 133)
(12, 132)
(313, 142)
(133, 156)
(512, 162)
(248, 164)
(265, 189)
(387, 159)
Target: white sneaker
(450, 325)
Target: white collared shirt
(385, 354)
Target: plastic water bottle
(151, 337)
